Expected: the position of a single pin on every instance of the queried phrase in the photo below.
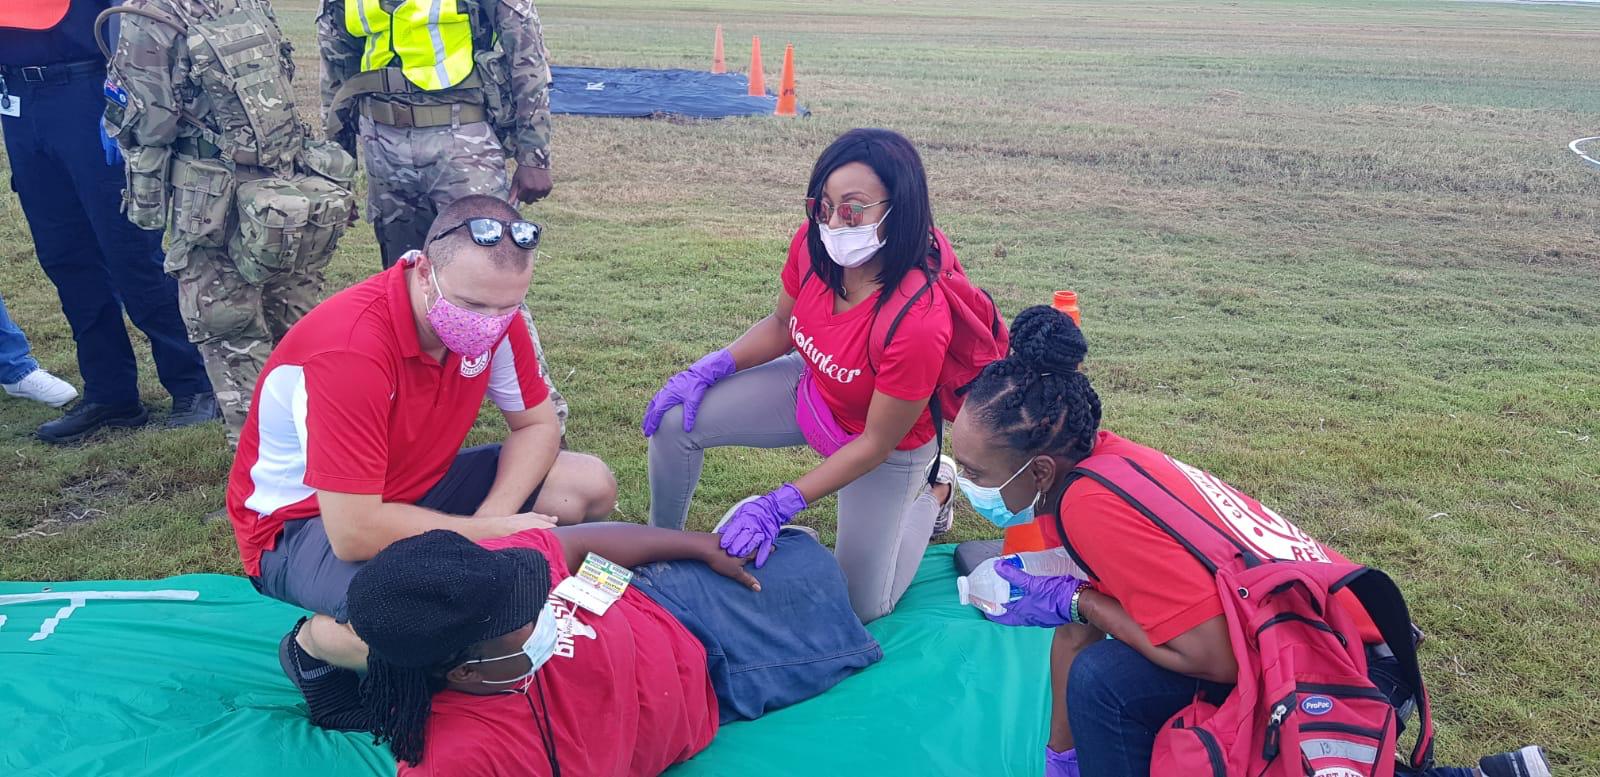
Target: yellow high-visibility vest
(432, 39)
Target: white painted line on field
(1585, 157)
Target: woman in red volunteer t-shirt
(1028, 420)
(806, 374)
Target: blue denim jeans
(1117, 700)
(16, 359)
(792, 640)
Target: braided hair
(1035, 400)
(399, 699)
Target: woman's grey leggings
(885, 516)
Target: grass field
(1335, 252)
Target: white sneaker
(41, 386)
(946, 519)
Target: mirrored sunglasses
(850, 213)
(488, 232)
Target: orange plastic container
(1067, 302)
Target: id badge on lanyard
(598, 584)
(10, 104)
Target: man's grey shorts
(302, 569)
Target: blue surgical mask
(988, 502)
(539, 647)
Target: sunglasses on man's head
(488, 232)
(849, 212)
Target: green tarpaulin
(180, 677)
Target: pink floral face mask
(463, 331)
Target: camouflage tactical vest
(244, 176)
(243, 65)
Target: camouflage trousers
(413, 172)
(235, 324)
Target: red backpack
(1303, 706)
(978, 334)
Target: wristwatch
(1073, 613)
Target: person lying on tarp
(1028, 421)
(354, 434)
(480, 664)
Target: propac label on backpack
(1316, 705)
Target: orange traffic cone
(786, 86)
(717, 65)
(758, 82)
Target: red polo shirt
(348, 402)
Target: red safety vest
(33, 14)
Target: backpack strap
(1209, 544)
(1061, 532)
(1382, 600)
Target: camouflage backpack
(241, 62)
(252, 179)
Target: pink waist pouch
(817, 424)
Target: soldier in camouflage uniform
(438, 97)
(199, 98)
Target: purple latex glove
(1046, 601)
(687, 388)
(754, 527)
(1060, 764)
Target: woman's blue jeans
(16, 359)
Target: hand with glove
(1046, 601)
(755, 523)
(688, 388)
(1063, 764)
(112, 151)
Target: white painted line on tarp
(77, 599)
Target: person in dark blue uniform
(51, 99)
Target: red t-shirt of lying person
(835, 345)
(1164, 588)
(348, 402)
(628, 695)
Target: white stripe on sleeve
(278, 476)
(505, 391)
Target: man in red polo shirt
(353, 436)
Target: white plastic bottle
(986, 590)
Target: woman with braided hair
(1028, 421)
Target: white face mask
(539, 647)
(852, 246)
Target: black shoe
(1527, 762)
(85, 418)
(332, 694)
(193, 409)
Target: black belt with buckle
(58, 73)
